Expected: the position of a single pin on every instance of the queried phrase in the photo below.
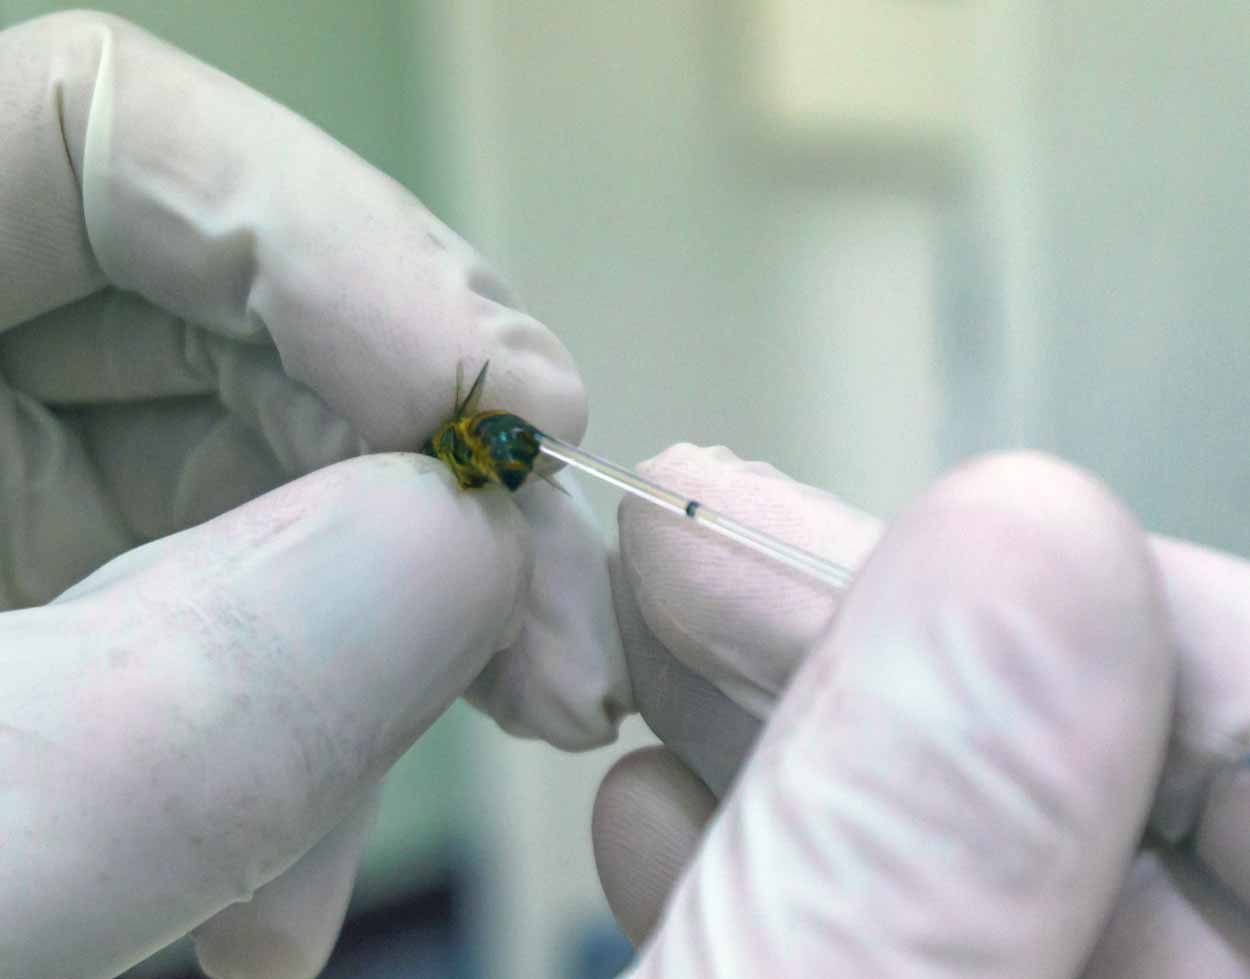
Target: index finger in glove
(957, 777)
(728, 614)
(125, 161)
(713, 631)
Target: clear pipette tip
(836, 575)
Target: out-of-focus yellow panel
(878, 67)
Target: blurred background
(860, 239)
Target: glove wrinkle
(1172, 922)
(45, 256)
(1206, 594)
(58, 524)
(565, 678)
(711, 733)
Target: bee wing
(469, 405)
(455, 405)
(550, 481)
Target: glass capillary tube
(833, 574)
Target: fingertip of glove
(723, 610)
(565, 678)
(1051, 522)
(270, 955)
(648, 817)
(573, 713)
(1027, 569)
(1042, 487)
(687, 461)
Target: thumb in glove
(183, 725)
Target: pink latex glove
(961, 754)
(203, 297)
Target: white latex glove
(962, 753)
(203, 297)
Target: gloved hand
(201, 298)
(961, 754)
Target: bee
(481, 447)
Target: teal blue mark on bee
(481, 447)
